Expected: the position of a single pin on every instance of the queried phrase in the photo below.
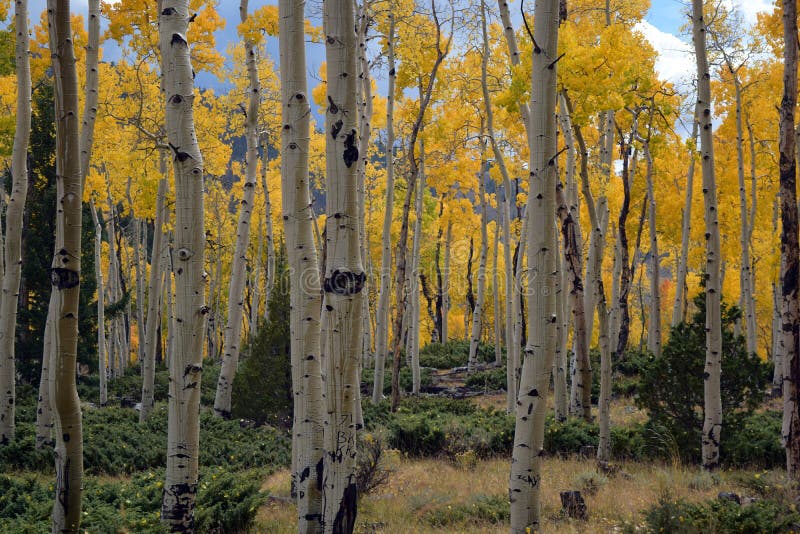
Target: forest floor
(470, 496)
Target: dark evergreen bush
(672, 386)
(262, 389)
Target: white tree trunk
(344, 273)
(526, 463)
(139, 272)
(270, 234)
(102, 365)
(448, 239)
(560, 392)
(233, 326)
(712, 424)
(12, 257)
(412, 350)
(654, 331)
(186, 364)
(153, 306)
(686, 230)
(65, 274)
(306, 296)
(477, 315)
(382, 314)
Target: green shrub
(672, 386)
(454, 353)
(567, 437)
(479, 509)
(720, 516)
(262, 389)
(492, 379)
(228, 502)
(754, 440)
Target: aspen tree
(686, 228)
(560, 393)
(477, 314)
(402, 243)
(654, 331)
(382, 314)
(153, 305)
(270, 234)
(186, 366)
(344, 273)
(102, 367)
(12, 251)
(65, 275)
(526, 462)
(445, 288)
(712, 424)
(512, 344)
(233, 326)
(573, 255)
(413, 279)
(790, 264)
(139, 272)
(498, 321)
(306, 295)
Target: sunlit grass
(420, 489)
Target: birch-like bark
(679, 304)
(233, 326)
(139, 272)
(269, 232)
(186, 364)
(413, 171)
(712, 424)
(153, 306)
(448, 239)
(65, 275)
(526, 462)
(512, 344)
(560, 390)
(102, 365)
(598, 218)
(790, 264)
(573, 251)
(654, 331)
(12, 258)
(477, 314)
(412, 350)
(345, 278)
(305, 290)
(382, 314)
(498, 321)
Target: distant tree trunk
(344, 272)
(790, 264)
(102, 365)
(12, 258)
(686, 230)
(569, 213)
(712, 425)
(477, 315)
(448, 239)
(498, 321)
(654, 332)
(233, 325)
(400, 261)
(526, 463)
(66, 270)
(186, 364)
(598, 217)
(412, 281)
(382, 314)
(139, 271)
(512, 345)
(270, 234)
(153, 305)
(560, 392)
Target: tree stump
(587, 451)
(573, 505)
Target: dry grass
(419, 488)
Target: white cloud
(751, 8)
(675, 57)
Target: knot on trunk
(345, 282)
